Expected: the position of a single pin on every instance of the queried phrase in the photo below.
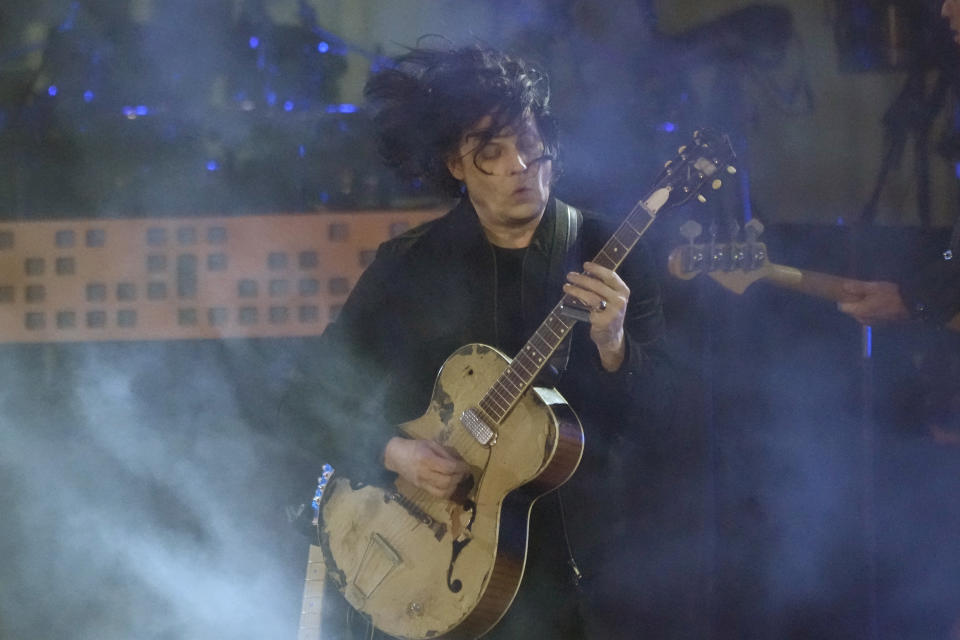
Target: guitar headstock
(735, 265)
(701, 162)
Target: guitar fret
(535, 352)
(517, 380)
(543, 347)
(616, 247)
(528, 374)
(552, 320)
(497, 401)
(490, 409)
(626, 238)
(504, 379)
(505, 393)
(604, 259)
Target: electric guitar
(424, 567)
(737, 265)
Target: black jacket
(431, 291)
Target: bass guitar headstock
(735, 265)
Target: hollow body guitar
(424, 567)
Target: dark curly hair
(424, 104)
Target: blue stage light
(88, 96)
(212, 165)
(323, 47)
(141, 110)
(347, 108)
(254, 42)
(271, 98)
(288, 105)
(669, 127)
(302, 151)
(52, 90)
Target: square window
(367, 256)
(156, 237)
(35, 320)
(156, 263)
(65, 266)
(35, 293)
(7, 294)
(186, 317)
(65, 238)
(34, 266)
(6, 240)
(217, 316)
(338, 286)
(308, 313)
(279, 315)
(308, 260)
(247, 288)
(126, 318)
(66, 320)
(279, 287)
(277, 260)
(217, 235)
(126, 291)
(247, 315)
(96, 292)
(308, 286)
(96, 319)
(338, 231)
(217, 262)
(96, 237)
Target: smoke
(141, 504)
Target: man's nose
(519, 162)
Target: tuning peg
(731, 169)
(701, 198)
(691, 230)
(753, 229)
(716, 184)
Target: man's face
(951, 11)
(508, 177)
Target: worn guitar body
(424, 567)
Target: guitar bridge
(477, 428)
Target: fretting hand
(606, 294)
(875, 303)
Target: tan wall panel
(185, 278)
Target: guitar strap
(565, 256)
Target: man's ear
(455, 167)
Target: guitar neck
(814, 283)
(821, 285)
(533, 357)
(311, 611)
